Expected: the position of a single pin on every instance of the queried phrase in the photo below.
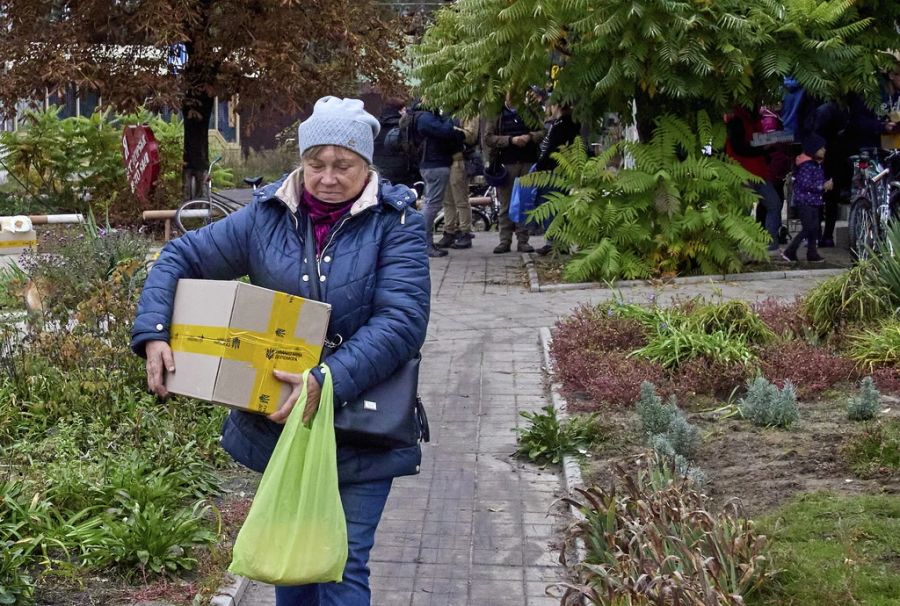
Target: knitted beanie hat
(341, 122)
(813, 143)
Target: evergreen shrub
(766, 405)
(864, 406)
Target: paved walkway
(475, 528)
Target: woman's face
(334, 174)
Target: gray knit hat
(341, 122)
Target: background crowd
(418, 143)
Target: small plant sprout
(683, 436)
(865, 405)
(547, 439)
(767, 406)
(655, 416)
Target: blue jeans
(363, 506)
(770, 200)
(436, 181)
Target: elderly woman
(371, 267)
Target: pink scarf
(324, 215)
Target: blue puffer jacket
(375, 276)
(441, 140)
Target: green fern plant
(678, 210)
(675, 56)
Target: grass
(11, 278)
(876, 450)
(876, 347)
(835, 550)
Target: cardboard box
(228, 337)
(15, 243)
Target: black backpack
(406, 140)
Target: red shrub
(887, 380)
(581, 346)
(785, 318)
(593, 329)
(811, 369)
(611, 378)
(700, 376)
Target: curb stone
(536, 286)
(232, 593)
(570, 468)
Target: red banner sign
(141, 152)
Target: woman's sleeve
(396, 330)
(219, 251)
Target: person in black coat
(392, 164)
(562, 130)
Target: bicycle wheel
(195, 214)
(862, 229)
(480, 221)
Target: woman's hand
(313, 391)
(159, 361)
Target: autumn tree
(275, 55)
(671, 56)
(682, 206)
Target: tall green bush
(679, 210)
(76, 165)
(672, 56)
(65, 164)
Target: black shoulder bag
(387, 415)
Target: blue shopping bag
(522, 201)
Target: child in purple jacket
(809, 185)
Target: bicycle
(200, 212)
(875, 202)
(485, 209)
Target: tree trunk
(197, 111)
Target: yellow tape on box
(16, 243)
(275, 349)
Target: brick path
(473, 528)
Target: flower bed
(701, 355)
(106, 494)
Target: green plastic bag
(295, 532)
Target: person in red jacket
(741, 124)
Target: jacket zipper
(328, 243)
